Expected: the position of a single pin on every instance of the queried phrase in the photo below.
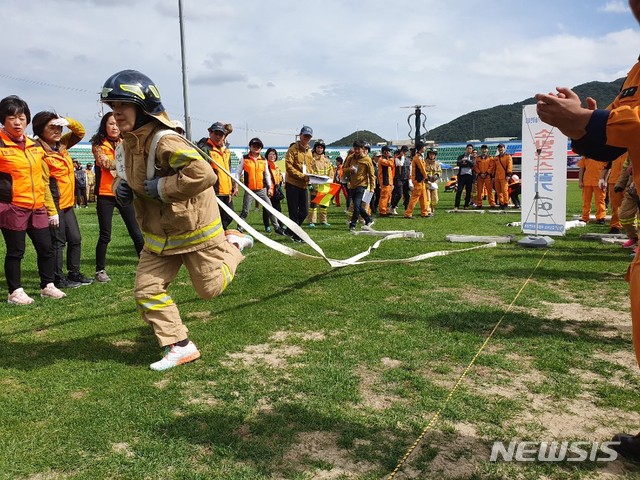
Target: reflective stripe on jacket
(186, 217)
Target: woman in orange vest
(253, 171)
(277, 181)
(26, 205)
(104, 144)
(226, 188)
(62, 181)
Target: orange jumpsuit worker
(592, 186)
(386, 172)
(418, 178)
(503, 171)
(485, 169)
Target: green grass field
(309, 372)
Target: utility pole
(185, 83)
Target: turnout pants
(628, 214)
(615, 200)
(211, 270)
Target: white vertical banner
(544, 168)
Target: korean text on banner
(544, 168)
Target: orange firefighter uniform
(418, 178)
(503, 169)
(386, 173)
(589, 178)
(609, 133)
(485, 169)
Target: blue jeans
(356, 198)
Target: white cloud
(615, 6)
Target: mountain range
(498, 121)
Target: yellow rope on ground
(436, 416)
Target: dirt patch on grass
(316, 447)
(161, 384)
(603, 321)
(123, 448)
(508, 384)
(50, 475)
(274, 356)
(462, 454)
(373, 390)
(390, 363)
(200, 315)
(309, 336)
(623, 358)
(263, 354)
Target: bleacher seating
(82, 153)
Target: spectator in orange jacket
(26, 205)
(60, 167)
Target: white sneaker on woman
(51, 291)
(19, 297)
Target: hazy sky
(271, 66)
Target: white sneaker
(369, 224)
(394, 211)
(19, 297)
(238, 239)
(101, 276)
(175, 355)
(51, 291)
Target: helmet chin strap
(141, 118)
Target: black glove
(124, 194)
(151, 187)
(618, 189)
